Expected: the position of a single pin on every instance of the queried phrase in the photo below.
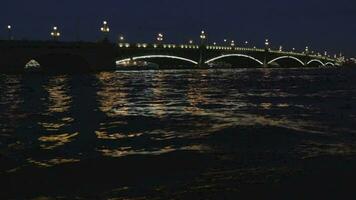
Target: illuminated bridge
(15, 56)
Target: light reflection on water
(48, 121)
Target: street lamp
(121, 38)
(191, 41)
(280, 48)
(160, 38)
(246, 43)
(105, 29)
(9, 30)
(267, 43)
(232, 43)
(55, 34)
(202, 37)
(306, 50)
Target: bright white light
(9, 27)
(234, 55)
(157, 56)
(283, 57)
(316, 60)
(266, 42)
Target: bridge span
(79, 56)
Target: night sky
(321, 24)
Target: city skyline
(325, 24)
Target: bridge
(15, 56)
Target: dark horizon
(321, 25)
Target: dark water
(205, 134)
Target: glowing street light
(280, 48)
(306, 49)
(232, 43)
(267, 43)
(160, 37)
(191, 41)
(246, 43)
(202, 37)
(9, 30)
(105, 29)
(121, 39)
(55, 34)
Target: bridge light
(306, 49)
(55, 33)
(280, 48)
(246, 43)
(191, 41)
(266, 42)
(232, 43)
(105, 29)
(160, 37)
(121, 38)
(202, 35)
(9, 30)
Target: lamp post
(225, 42)
(267, 43)
(105, 29)
(202, 47)
(306, 50)
(202, 37)
(246, 43)
(55, 34)
(121, 38)
(160, 38)
(9, 30)
(232, 43)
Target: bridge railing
(217, 47)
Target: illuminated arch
(283, 57)
(316, 60)
(234, 55)
(329, 63)
(156, 56)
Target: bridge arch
(157, 56)
(288, 57)
(316, 60)
(234, 55)
(329, 64)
